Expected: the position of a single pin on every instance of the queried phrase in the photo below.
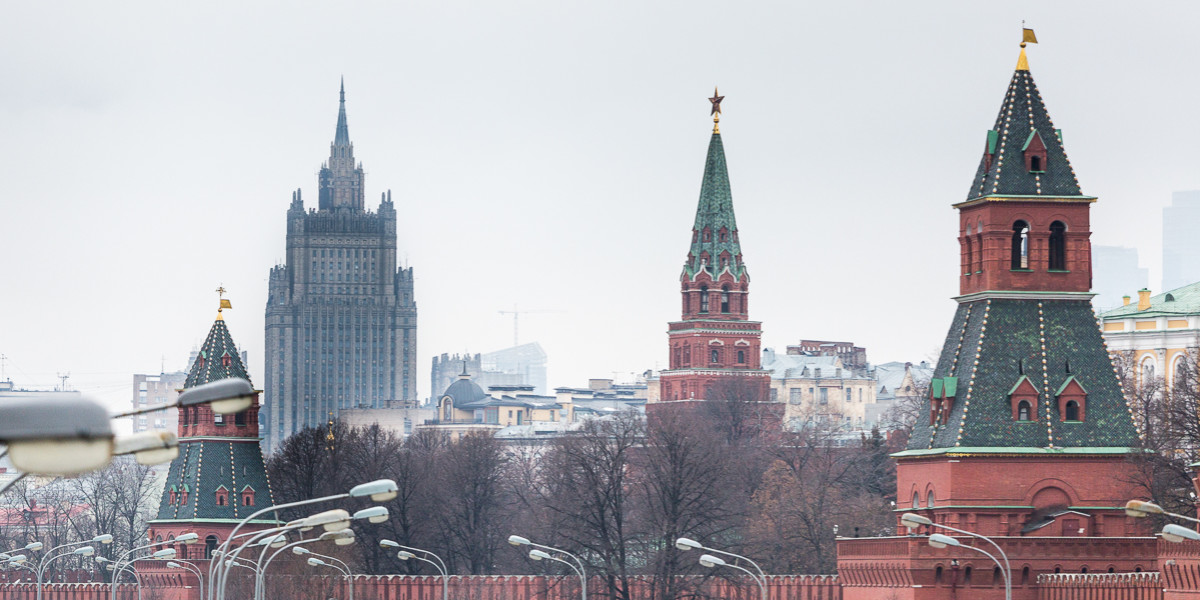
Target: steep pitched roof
(218, 358)
(203, 467)
(714, 212)
(987, 343)
(1023, 118)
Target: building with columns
(1159, 336)
(714, 344)
(341, 319)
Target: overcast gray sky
(547, 154)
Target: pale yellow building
(819, 388)
(1157, 333)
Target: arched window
(725, 299)
(929, 499)
(1147, 369)
(967, 575)
(704, 298)
(1035, 163)
(1023, 411)
(1058, 246)
(716, 356)
(1024, 575)
(741, 357)
(1020, 245)
(970, 257)
(1072, 410)
(916, 500)
(937, 574)
(997, 576)
(210, 546)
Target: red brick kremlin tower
(1026, 432)
(715, 340)
(219, 477)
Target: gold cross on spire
(716, 109)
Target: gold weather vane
(1027, 37)
(329, 438)
(716, 109)
(224, 303)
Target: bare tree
(472, 496)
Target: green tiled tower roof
(992, 345)
(205, 465)
(1023, 118)
(218, 358)
(714, 212)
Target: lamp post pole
(912, 520)
(686, 544)
(405, 555)
(710, 561)
(517, 540)
(191, 568)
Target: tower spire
(342, 136)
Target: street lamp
(1141, 509)
(55, 434)
(913, 520)
(187, 566)
(380, 490)
(1178, 533)
(711, 561)
(342, 537)
(316, 562)
(407, 553)
(517, 540)
(224, 397)
(148, 447)
(44, 564)
(686, 544)
(938, 540)
(536, 554)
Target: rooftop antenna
(3, 358)
(64, 377)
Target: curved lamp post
(938, 540)
(913, 520)
(517, 540)
(380, 490)
(343, 537)
(316, 562)
(405, 555)
(711, 561)
(536, 554)
(193, 569)
(106, 538)
(121, 563)
(686, 544)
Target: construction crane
(516, 314)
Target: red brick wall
(997, 219)
(1100, 586)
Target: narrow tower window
(704, 298)
(1035, 163)
(1072, 410)
(1020, 246)
(970, 262)
(1023, 411)
(1058, 246)
(725, 299)
(716, 356)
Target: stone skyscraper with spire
(341, 320)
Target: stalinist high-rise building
(341, 321)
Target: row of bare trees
(619, 492)
(118, 500)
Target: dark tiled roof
(218, 349)
(1007, 335)
(205, 465)
(1022, 115)
(464, 391)
(715, 211)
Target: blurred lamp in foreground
(56, 434)
(1179, 533)
(225, 396)
(148, 447)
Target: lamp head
(224, 397)
(165, 553)
(1179, 533)
(300, 550)
(938, 540)
(316, 562)
(102, 560)
(331, 520)
(380, 490)
(374, 514)
(913, 520)
(337, 536)
(110, 567)
(536, 554)
(16, 559)
(56, 434)
(686, 544)
(1141, 508)
(174, 565)
(711, 561)
(188, 538)
(517, 540)
(405, 555)
(105, 538)
(148, 447)
(33, 546)
(388, 544)
(85, 551)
